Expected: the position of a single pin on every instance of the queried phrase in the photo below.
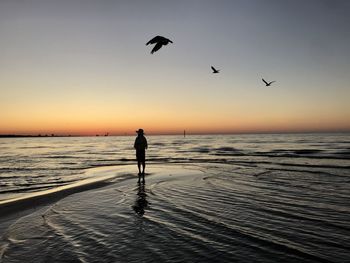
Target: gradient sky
(82, 67)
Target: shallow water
(243, 198)
(34, 164)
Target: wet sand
(38, 202)
(183, 213)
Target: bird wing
(156, 47)
(265, 82)
(155, 40)
(213, 68)
(272, 82)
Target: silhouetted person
(140, 146)
(215, 70)
(141, 203)
(268, 83)
(159, 41)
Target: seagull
(268, 83)
(215, 70)
(159, 41)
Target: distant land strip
(25, 136)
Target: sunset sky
(82, 67)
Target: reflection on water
(223, 213)
(35, 164)
(141, 202)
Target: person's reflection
(140, 203)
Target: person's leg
(143, 170)
(139, 166)
(143, 167)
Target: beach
(174, 131)
(204, 200)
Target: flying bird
(268, 83)
(159, 41)
(215, 70)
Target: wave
(276, 153)
(201, 149)
(37, 147)
(61, 157)
(289, 164)
(27, 188)
(286, 154)
(227, 149)
(30, 171)
(252, 163)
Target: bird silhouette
(159, 41)
(268, 83)
(215, 70)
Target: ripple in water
(209, 213)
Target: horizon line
(45, 135)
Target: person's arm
(135, 143)
(146, 145)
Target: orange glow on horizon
(165, 126)
(85, 70)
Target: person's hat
(140, 131)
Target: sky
(82, 67)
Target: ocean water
(242, 198)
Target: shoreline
(100, 177)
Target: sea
(227, 198)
